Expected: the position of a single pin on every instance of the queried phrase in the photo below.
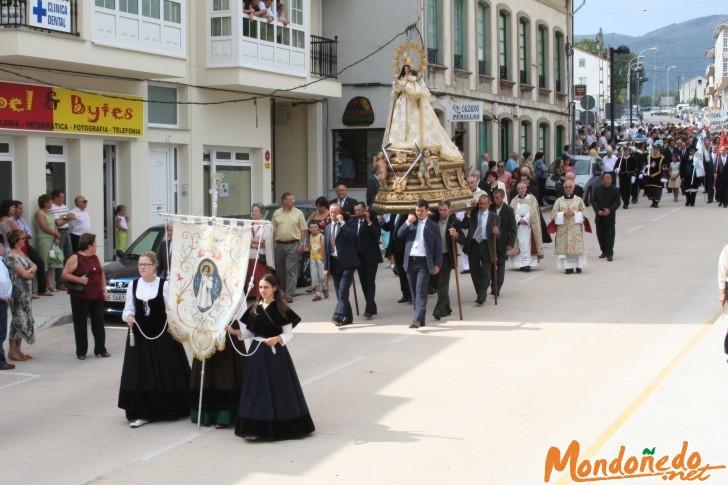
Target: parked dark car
(307, 207)
(123, 271)
(588, 175)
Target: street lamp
(667, 81)
(622, 49)
(629, 84)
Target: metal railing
(482, 68)
(558, 87)
(14, 14)
(324, 56)
(503, 72)
(432, 55)
(458, 61)
(542, 81)
(522, 77)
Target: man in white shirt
(63, 216)
(82, 223)
(610, 161)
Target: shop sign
(59, 110)
(465, 111)
(50, 14)
(579, 90)
(358, 112)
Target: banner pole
(199, 406)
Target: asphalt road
(627, 353)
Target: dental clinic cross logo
(683, 466)
(39, 11)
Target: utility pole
(654, 78)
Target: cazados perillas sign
(465, 111)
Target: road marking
(175, 444)
(27, 378)
(677, 209)
(331, 370)
(634, 229)
(608, 433)
(656, 218)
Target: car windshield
(581, 167)
(145, 242)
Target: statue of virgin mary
(412, 123)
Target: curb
(62, 320)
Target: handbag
(74, 286)
(55, 255)
(261, 259)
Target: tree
(645, 101)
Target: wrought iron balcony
(542, 81)
(457, 61)
(15, 14)
(558, 87)
(482, 68)
(432, 56)
(522, 77)
(504, 72)
(324, 56)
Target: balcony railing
(558, 87)
(503, 72)
(522, 77)
(14, 14)
(542, 81)
(432, 56)
(323, 56)
(482, 68)
(457, 61)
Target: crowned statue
(418, 158)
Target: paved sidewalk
(52, 310)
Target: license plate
(121, 297)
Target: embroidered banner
(207, 281)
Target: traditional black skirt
(222, 387)
(272, 405)
(155, 379)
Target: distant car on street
(588, 176)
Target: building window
(560, 140)
(110, 4)
(582, 62)
(543, 139)
(482, 39)
(505, 139)
(56, 158)
(458, 35)
(725, 67)
(6, 168)
(523, 61)
(352, 157)
(162, 105)
(503, 44)
(542, 60)
(484, 137)
(433, 31)
(172, 12)
(129, 6)
(234, 198)
(582, 80)
(150, 8)
(297, 12)
(220, 5)
(525, 136)
(559, 62)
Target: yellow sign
(96, 114)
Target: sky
(638, 17)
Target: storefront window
(234, 198)
(56, 158)
(6, 169)
(352, 157)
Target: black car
(122, 272)
(307, 207)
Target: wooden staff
(356, 299)
(457, 274)
(495, 270)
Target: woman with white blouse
(156, 373)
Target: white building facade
(511, 56)
(693, 90)
(137, 102)
(717, 73)
(593, 72)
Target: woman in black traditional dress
(156, 374)
(272, 406)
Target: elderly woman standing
(261, 249)
(156, 374)
(85, 268)
(22, 270)
(46, 234)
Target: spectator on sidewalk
(121, 223)
(21, 269)
(33, 253)
(47, 235)
(82, 222)
(6, 288)
(63, 217)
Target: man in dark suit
(605, 204)
(373, 186)
(507, 237)
(340, 260)
(367, 247)
(482, 225)
(709, 157)
(721, 177)
(396, 246)
(445, 220)
(422, 256)
(345, 202)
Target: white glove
(664, 181)
(634, 179)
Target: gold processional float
(418, 159)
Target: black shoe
(448, 312)
(527, 269)
(480, 301)
(654, 204)
(395, 271)
(367, 315)
(81, 357)
(602, 256)
(609, 258)
(437, 315)
(568, 271)
(578, 270)
(103, 354)
(465, 271)
(625, 206)
(403, 300)
(431, 290)
(336, 322)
